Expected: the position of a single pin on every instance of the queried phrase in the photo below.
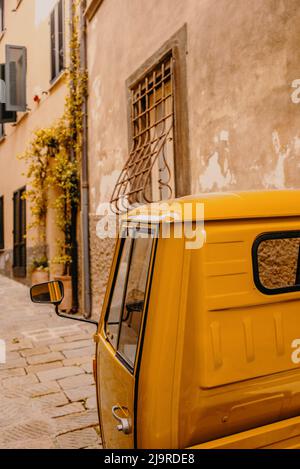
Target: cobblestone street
(47, 391)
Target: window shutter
(15, 78)
(1, 15)
(60, 36)
(5, 116)
(2, 222)
(57, 39)
(52, 32)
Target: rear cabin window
(127, 302)
(276, 259)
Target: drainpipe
(84, 175)
(74, 217)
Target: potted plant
(39, 270)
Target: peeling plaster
(97, 93)
(93, 195)
(108, 182)
(224, 136)
(214, 177)
(276, 179)
(297, 145)
(295, 96)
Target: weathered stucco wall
(243, 101)
(244, 124)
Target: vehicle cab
(199, 339)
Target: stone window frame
(177, 46)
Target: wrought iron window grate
(148, 174)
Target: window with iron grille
(149, 173)
(158, 130)
(57, 40)
(2, 222)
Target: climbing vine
(54, 155)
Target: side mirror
(47, 293)
(53, 293)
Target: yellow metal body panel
(155, 411)
(116, 389)
(228, 206)
(216, 355)
(279, 435)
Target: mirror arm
(66, 316)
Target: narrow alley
(47, 391)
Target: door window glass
(124, 317)
(135, 298)
(115, 308)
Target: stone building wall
(242, 63)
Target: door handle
(125, 424)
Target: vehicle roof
(225, 205)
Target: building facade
(36, 34)
(184, 96)
(189, 96)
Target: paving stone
(14, 363)
(34, 351)
(59, 373)
(34, 408)
(76, 381)
(74, 408)
(12, 355)
(41, 443)
(82, 336)
(76, 422)
(78, 439)
(71, 345)
(88, 367)
(12, 373)
(99, 446)
(91, 403)
(19, 381)
(81, 393)
(56, 399)
(42, 389)
(31, 430)
(50, 332)
(45, 366)
(77, 361)
(13, 411)
(44, 358)
(49, 342)
(19, 345)
(81, 352)
(71, 333)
